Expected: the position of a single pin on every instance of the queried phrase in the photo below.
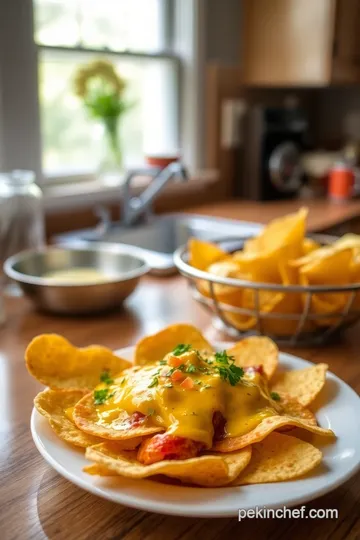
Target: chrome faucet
(141, 206)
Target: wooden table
(323, 214)
(36, 503)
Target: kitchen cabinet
(301, 42)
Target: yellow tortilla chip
(281, 240)
(86, 418)
(54, 362)
(279, 458)
(202, 254)
(153, 348)
(294, 409)
(309, 245)
(224, 293)
(267, 426)
(52, 404)
(282, 231)
(208, 470)
(256, 351)
(303, 384)
(332, 269)
(99, 470)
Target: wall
(222, 32)
(338, 114)
(19, 125)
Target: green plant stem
(112, 133)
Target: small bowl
(121, 267)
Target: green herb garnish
(100, 396)
(227, 369)
(199, 383)
(105, 378)
(150, 412)
(207, 386)
(275, 396)
(154, 382)
(162, 362)
(168, 385)
(181, 349)
(191, 368)
(122, 381)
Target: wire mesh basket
(310, 325)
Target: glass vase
(111, 167)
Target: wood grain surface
(36, 503)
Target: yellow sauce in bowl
(76, 276)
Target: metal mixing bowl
(121, 265)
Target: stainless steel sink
(158, 239)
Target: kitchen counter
(323, 214)
(36, 503)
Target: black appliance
(274, 140)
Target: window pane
(72, 142)
(137, 25)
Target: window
(135, 36)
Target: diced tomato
(219, 423)
(163, 446)
(177, 376)
(187, 384)
(175, 361)
(136, 419)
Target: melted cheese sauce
(77, 275)
(186, 412)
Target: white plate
(339, 410)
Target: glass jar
(21, 215)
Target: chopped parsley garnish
(207, 386)
(275, 396)
(105, 378)
(122, 381)
(150, 412)
(198, 382)
(154, 382)
(162, 362)
(181, 349)
(191, 368)
(100, 396)
(227, 369)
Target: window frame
(185, 47)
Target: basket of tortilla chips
(292, 288)
(181, 409)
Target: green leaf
(181, 349)
(100, 396)
(275, 396)
(154, 382)
(105, 378)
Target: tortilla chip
(99, 470)
(279, 458)
(224, 293)
(293, 408)
(256, 351)
(86, 418)
(54, 362)
(202, 254)
(52, 404)
(153, 348)
(303, 384)
(208, 470)
(280, 240)
(267, 426)
(309, 245)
